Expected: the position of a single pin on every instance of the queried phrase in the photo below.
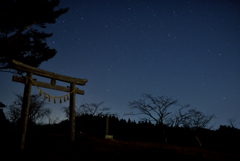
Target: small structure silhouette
(107, 126)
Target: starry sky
(185, 49)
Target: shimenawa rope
(50, 96)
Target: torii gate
(28, 81)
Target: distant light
(53, 42)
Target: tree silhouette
(198, 120)
(154, 108)
(232, 122)
(37, 112)
(180, 117)
(19, 39)
(94, 109)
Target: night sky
(188, 50)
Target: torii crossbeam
(27, 92)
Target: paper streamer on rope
(49, 96)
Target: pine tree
(20, 38)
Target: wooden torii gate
(28, 81)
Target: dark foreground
(53, 147)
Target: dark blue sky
(189, 50)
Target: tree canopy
(20, 38)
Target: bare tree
(232, 121)
(180, 117)
(93, 109)
(199, 120)
(65, 111)
(53, 120)
(14, 113)
(36, 109)
(154, 108)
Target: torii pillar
(72, 112)
(25, 110)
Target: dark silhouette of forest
(224, 139)
(137, 139)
